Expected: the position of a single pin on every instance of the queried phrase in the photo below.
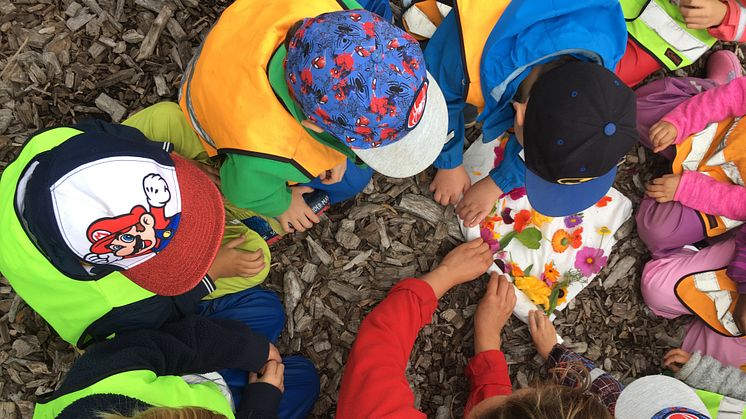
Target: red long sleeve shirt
(374, 382)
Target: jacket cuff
(690, 366)
(488, 367)
(424, 293)
(728, 28)
(684, 185)
(260, 400)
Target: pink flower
(590, 260)
(487, 236)
(499, 156)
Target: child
(173, 368)
(675, 33)
(543, 68)
(701, 200)
(105, 231)
(374, 383)
(307, 95)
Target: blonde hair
(166, 413)
(553, 401)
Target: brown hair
(550, 401)
(524, 89)
(166, 413)
(546, 400)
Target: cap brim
(417, 150)
(184, 262)
(555, 200)
(647, 396)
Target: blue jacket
(529, 32)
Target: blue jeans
(261, 309)
(352, 183)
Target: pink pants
(657, 286)
(666, 227)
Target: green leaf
(527, 271)
(529, 237)
(506, 239)
(553, 297)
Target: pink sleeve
(714, 105)
(732, 27)
(488, 374)
(703, 193)
(374, 382)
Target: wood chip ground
(65, 60)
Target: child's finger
(475, 243)
(492, 285)
(533, 327)
(235, 242)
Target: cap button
(610, 129)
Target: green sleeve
(258, 184)
(166, 122)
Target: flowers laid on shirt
(590, 260)
(574, 220)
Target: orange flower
(489, 222)
(551, 274)
(560, 241)
(522, 219)
(515, 270)
(576, 240)
(604, 201)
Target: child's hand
(662, 135)
(335, 174)
(466, 262)
(543, 332)
(462, 264)
(273, 373)
(231, 262)
(702, 14)
(675, 359)
(478, 202)
(492, 313)
(664, 188)
(449, 185)
(299, 216)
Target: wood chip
(112, 107)
(151, 39)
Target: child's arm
(703, 193)
(487, 371)
(568, 366)
(707, 373)
(732, 28)
(714, 105)
(603, 385)
(374, 383)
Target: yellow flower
(539, 219)
(535, 289)
(562, 296)
(604, 231)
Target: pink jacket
(697, 190)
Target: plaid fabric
(603, 385)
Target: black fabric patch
(674, 57)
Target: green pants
(165, 122)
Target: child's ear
(310, 125)
(520, 113)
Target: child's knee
(657, 287)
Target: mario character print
(118, 212)
(140, 232)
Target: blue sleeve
(511, 173)
(380, 7)
(443, 59)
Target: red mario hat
(96, 205)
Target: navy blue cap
(580, 123)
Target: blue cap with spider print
(364, 81)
